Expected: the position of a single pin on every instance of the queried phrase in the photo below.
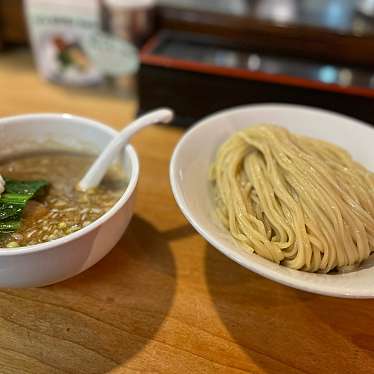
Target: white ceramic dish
(47, 263)
(189, 171)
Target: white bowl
(189, 173)
(47, 263)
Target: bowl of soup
(49, 230)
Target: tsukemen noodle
(297, 201)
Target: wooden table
(164, 301)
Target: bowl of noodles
(286, 191)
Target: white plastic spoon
(98, 169)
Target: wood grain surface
(164, 301)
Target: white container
(58, 30)
(51, 262)
(70, 46)
(189, 180)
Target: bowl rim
(273, 275)
(135, 169)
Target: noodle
(299, 202)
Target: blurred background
(199, 56)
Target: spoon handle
(99, 168)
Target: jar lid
(127, 4)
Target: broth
(61, 209)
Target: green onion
(13, 201)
